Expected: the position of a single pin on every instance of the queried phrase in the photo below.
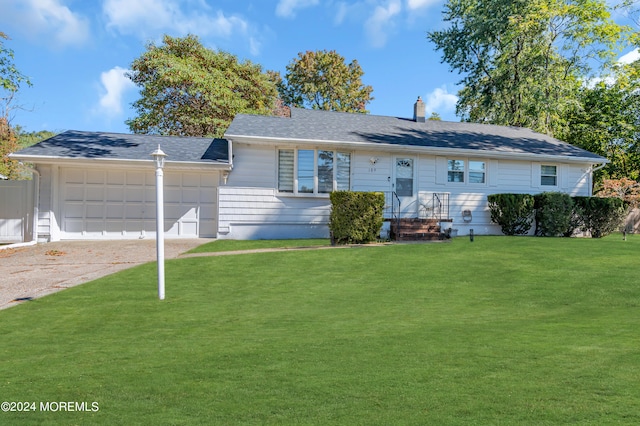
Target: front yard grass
(502, 330)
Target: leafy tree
(626, 189)
(322, 80)
(523, 60)
(189, 90)
(606, 121)
(10, 80)
(435, 117)
(26, 139)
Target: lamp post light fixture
(159, 157)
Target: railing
(434, 205)
(395, 214)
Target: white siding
(253, 166)
(259, 213)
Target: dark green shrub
(599, 216)
(513, 212)
(554, 212)
(356, 217)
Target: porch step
(416, 229)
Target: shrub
(554, 211)
(513, 212)
(356, 217)
(599, 216)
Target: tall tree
(606, 121)
(189, 90)
(10, 80)
(323, 80)
(523, 61)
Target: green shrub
(599, 216)
(513, 212)
(356, 217)
(554, 211)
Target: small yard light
(159, 156)
(471, 235)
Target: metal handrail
(394, 198)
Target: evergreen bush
(554, 212)
(599, 216)
(513, 212)
(356, 217)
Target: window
(472, 171)
(309, 171)
(455, 170)
(548, 175)
(477, 171)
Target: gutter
(36, 211)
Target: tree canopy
(190, 90)
(523, 61)
(323, 80)
(10, 80)
(606, 121)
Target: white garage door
(114, 204)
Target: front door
(404, 185)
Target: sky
(76, 52)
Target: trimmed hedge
(513, 212)
(556, 214)
(554, 211)
(599, 216)
(356, 217)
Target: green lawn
(503, 330)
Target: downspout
(36, 201)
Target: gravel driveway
(34, 271)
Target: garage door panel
(95, 193)
(116, 177)
(115, 211)
(190, 196)
(95, 177)
(94, 211)
(136, 178)
(74, 193)
(116, 194)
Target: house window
(548, 175)
(309, 171)
(471, 171)
(455, 170)
(477, 171)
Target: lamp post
(159, 156)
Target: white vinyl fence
(16, 210)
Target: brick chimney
(418, 111)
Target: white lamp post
(159, 156)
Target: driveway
(35, 271)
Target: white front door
(404, 185)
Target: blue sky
(76, 51)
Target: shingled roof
(120, 146)
(336, 127)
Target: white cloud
(48, 20)
(148, 19)
(381, 22)
(114, 86)
(287, 8)
(441, 101)
(630, 57)
(419, 4)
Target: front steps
(415, 229)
